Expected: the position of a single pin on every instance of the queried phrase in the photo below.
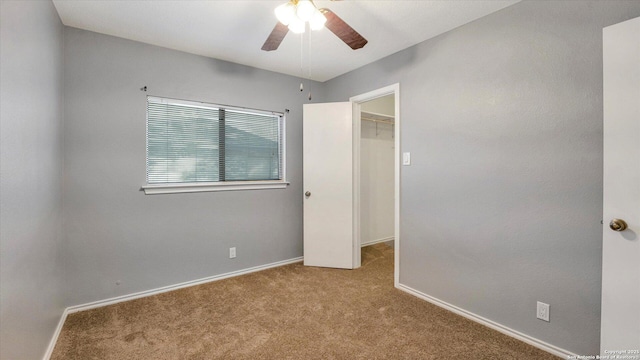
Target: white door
(328, 185)
(620, 329)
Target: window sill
(203, 187)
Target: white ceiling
(234, 30)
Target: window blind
(190, 142)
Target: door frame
(357, 101)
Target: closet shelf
(376, 117)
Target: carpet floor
(289, 312)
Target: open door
(620, 326)
(328, 185)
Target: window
(193, 146)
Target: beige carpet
(290, 312)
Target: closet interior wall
(377, 171)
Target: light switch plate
(406, 158)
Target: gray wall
(116, 233)
(31, 267)
(502, 203)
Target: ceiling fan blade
(343, 30)
(275, 38)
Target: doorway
(377, 165)
(332, 187)
(376, 182)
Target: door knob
(308, 193)
(618, 225)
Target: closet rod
(378, 121)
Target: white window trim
(178, 188)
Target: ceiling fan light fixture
(317, 20)
(286, 13)
(294, 15)
(297, 26)
(305, 10)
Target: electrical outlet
(232, 253)
(542, 311)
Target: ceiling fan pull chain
(309, 60)
(301, 63)
(309, 56)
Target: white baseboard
(491, 324)
(141, 294)
(54, 339)
(376, 241)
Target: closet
(377, 171)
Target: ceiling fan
(294, 15)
